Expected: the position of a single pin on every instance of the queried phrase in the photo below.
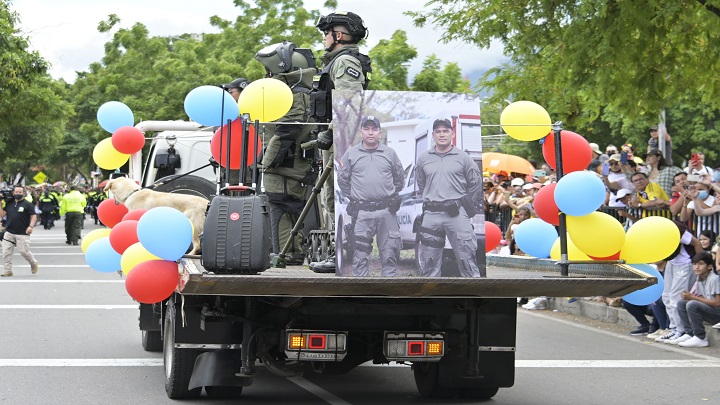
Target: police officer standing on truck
(449, 182)
(236, 87)
(344, 68)
(372, 175)
(285, 165)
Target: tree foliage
(434, 78)
(591, 63)
(390, 60)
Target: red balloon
(544, 205)
(616, 256)
(128, 140)
(235, 144)
(110, 213)
(134, 214)
(576, 153)
(123, 235)
(493, 236)
(152, 281)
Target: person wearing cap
(654, 143)
(596, 153)
(659, 171)
(450, 183)
(236, 87)
(372, 175)
(286, 168)
(344, 68)
(611, 150)
(620, 200)
(616, 179)
(523, 195)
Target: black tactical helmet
(239, 83)
(284, 57)
(355, 25)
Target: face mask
(18, 196)
(703, 194)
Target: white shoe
(658, 333)
(716, 326)
(666, 336)
(537, 303)
(678, 339)
(694, 342)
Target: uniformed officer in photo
(449, 182)
(372, 175)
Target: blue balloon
(165, 232)
(579, 193)
(211, 106)
(647, 295)
(101, 256)
(113, 115)
(535, 237)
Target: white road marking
(326, 396)
(41, 306)
(59, 281)
(155, 362)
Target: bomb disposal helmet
(285, 57)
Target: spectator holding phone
(654, 143)
(616, 179)
(696, 165)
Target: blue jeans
(660, 314)
(691, 315)
(638, 312)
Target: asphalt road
(69, 336)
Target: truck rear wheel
(179, 363)
(427, 381)
(152, 341)
(478, 392)
(191, 185)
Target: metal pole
(564, 266)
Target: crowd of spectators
(639, 184)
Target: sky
(65, 32)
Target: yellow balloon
(133, 256)
(93, 236)
(265, 100)
(596, 234)
(573, 252)
(107, 157)
(650, 240)
(516, 117)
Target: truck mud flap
(217, 368)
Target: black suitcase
(236, 239)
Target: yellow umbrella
(500, 162)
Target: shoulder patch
(353, 72)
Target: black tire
(191, 185)
(152, 341)
(224, 392)
(478, 392)
(178, 363)
(427, 381)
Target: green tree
(432, 78)
(33, 107)
(390, 60)
(605, 68)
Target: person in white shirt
(616, 180)
(701, 303)
(697, 166)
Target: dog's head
(121, 187)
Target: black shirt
(18, 216)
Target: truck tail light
(316, 345)
(414, 346)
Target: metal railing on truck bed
(507, 276)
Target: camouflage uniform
(286, 173)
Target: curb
(619, 316)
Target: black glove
(394, 203)
(325, 139)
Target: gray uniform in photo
(372, 179)
(443, 181)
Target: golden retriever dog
(128, 192)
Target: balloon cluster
(117, 118)
(592, 235)
(143, 244)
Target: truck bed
(507, 276)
